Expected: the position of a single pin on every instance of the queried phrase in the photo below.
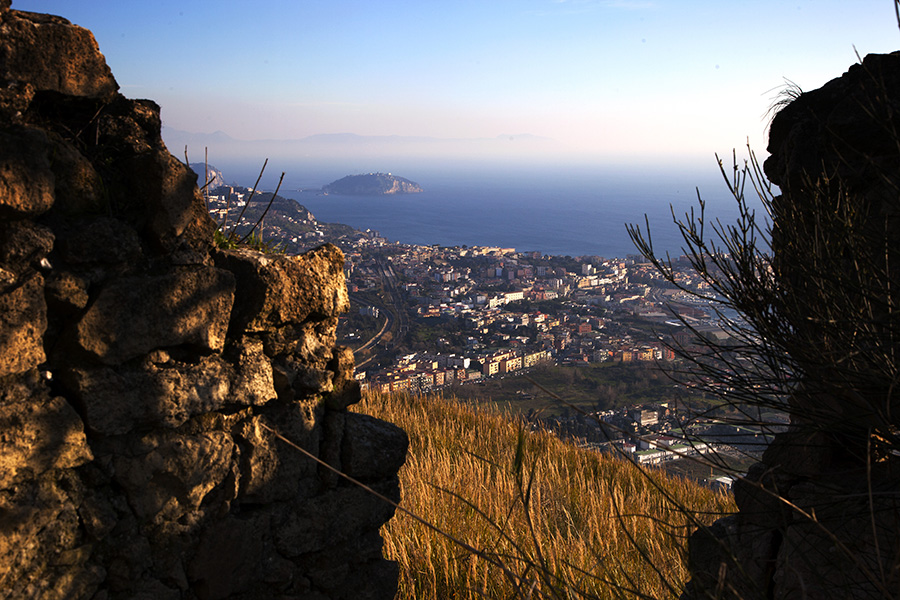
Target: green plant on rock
(229, 239)
(252, 241)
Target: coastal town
(488, 321)
(461, 317)
(501, 310)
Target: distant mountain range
(359, 152)
(220, 137)
(372, 184)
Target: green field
(592, 387)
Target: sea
(556, 211)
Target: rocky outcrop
(209, 176)
(162, 401)
(819, 517)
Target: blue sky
(604, 79)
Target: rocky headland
(149, 380)
(372, 184)
(213, 176)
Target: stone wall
(144, 373)
(819, 516)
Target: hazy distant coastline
(562, 209)
(336, 155)
(571, 216)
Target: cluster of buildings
(661, 434)
(521, 305)
(425, 372)
(498, 312)
(492, 301)
(415, 372)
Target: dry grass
(549, 520)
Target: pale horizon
(599, 81)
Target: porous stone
(100, 241)
(333, 518)
(41, 543)
(53, 55)
(176, 210)
(275, 291)
(840, 540)
(272, 470)
(372, 449)
(346, 390)
(26, 181)
(166, 475)
(165, 392)
(66, 293)
(232, 556)
(23, 246)
(134, 315)
(838, 130)
(37, 432)
(819, 516)
(78, 188)
(337, 578)
(162, 419)
(23, 320)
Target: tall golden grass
(548, 519)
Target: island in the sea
(372, 184)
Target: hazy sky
(625, 78)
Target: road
(397, 305)
(394, 310)
(388, 323)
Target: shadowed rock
(143, 372)
(134, 315)
(819, 516)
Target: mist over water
(553, 210)
(485, 192)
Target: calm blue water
(576, 212)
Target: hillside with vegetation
(515, 512)
(281, 222)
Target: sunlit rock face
(144, 374)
